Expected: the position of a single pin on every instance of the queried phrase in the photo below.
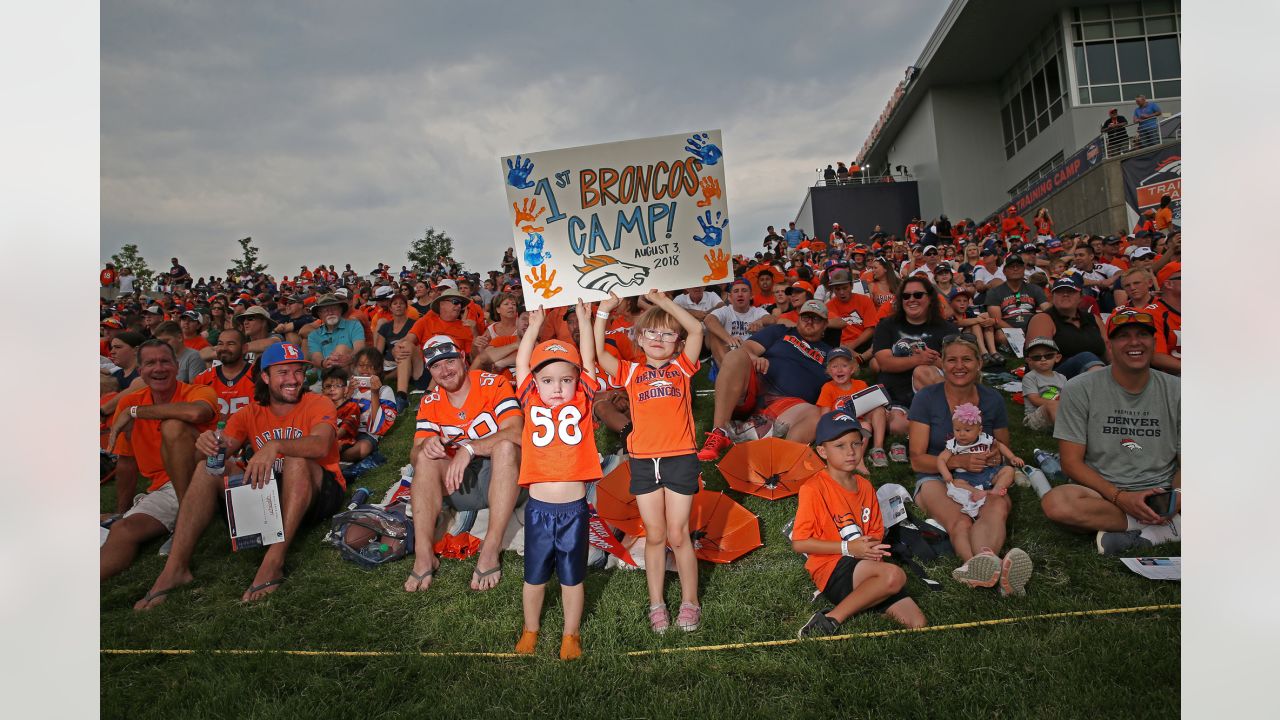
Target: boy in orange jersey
(839, 528)
(337, 387)
(841, 367)
(558, 457)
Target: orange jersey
(259, 423)
(1168, 329)
(195, 343)
(618, 343)
(348, 423)
(661, 414)
(431, 324)
(832, 394)
(233, 393)
(825, 508)
(559, 444)
(858, 313)
(489, 402)
(142, 442)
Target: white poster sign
(622, 217)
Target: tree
(128, 257)
(426, 251)
(248, 262)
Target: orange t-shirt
(233, 393)
(195, 343)
(618, 344)
(143, 440)
(1164, 218)
(107, 277)
(489, 402)
(824, 508)
(431, 324)
(348, 423)
(661, 414)
(831, 394)
(1168, 329)
(559, 444)
(475, 313)
(859, 314)
(313, 409)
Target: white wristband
(602, 314)
(469, 449)
(133, 411)
(844, 547)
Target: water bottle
(1037, 479)
(216, 463)
(374, 552)
(358, 498)
(1048, 463)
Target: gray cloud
(335, 132)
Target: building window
(1127, 49)
(1033, 91)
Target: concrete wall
(1087, 120)
(859, 208)
(804, 220)
(917, 148)
(1093, 204)
(970, 150)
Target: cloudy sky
(336, 132)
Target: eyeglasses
(664, 336)
(1044, 356)
(919, 295)
(435, 351)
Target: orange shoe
(570, 647)
(716, 444)
(528, 642)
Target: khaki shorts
(161, 504)
(1037, 418)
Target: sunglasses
(918, 295)
(1043, 356)
(1130, 316)
(435, 351)
(960, 337)
(663, 335)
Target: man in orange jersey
(231, 381)
(1168, 354)
(153, 432)
(294, 442)
(467, 450)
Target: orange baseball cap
(553, 350)
(1168, 271)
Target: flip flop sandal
(158, 594)
(478, 575)
(268, 584)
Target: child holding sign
(556, 387)
(664, 466)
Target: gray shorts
(473, 493)
(161, 504)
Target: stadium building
(1006, 104)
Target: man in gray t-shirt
(1119, 435)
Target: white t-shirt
(126, 284)
(709, 302)
(737, 323)
(981, 274)
(1101, 271)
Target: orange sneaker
(717, 443)
(570, 647)
(528, 642)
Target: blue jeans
(1078, 363)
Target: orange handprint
(526, 214)
(718, 262)
(710, 189)
(543, 282)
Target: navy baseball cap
(837, 424)
(1066, 282)
(838, 352)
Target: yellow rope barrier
(662, 651)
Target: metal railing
(860, 179)
(1132, 137)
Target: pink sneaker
(689, 617)
(659, 618)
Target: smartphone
(1165, 504)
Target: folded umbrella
(771, 468)
(722, 530)
(614, 502)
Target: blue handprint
(533, 255)
(705, 151)
(518, 173)
(712, 229)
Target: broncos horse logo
(605, 272)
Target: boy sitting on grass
(336, 385)
(841, 365)
(838, 526)
(558, 457)
(969, 318)
(1042, 385)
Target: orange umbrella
(614, 502)
(722, 530)
(771, 468)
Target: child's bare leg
(653, 512)
(991, 338)
(574, 598)
(531, 599)
(678, 508)
(980, 336)
(1004, 480)
(879, 423)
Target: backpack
(911, 540)
(360, 534)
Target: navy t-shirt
(796, 366)
(901, 338)
(930, 407)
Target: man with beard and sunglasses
(294, 443)
(466, 451)
(231, 381)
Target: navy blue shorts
(555, 538)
